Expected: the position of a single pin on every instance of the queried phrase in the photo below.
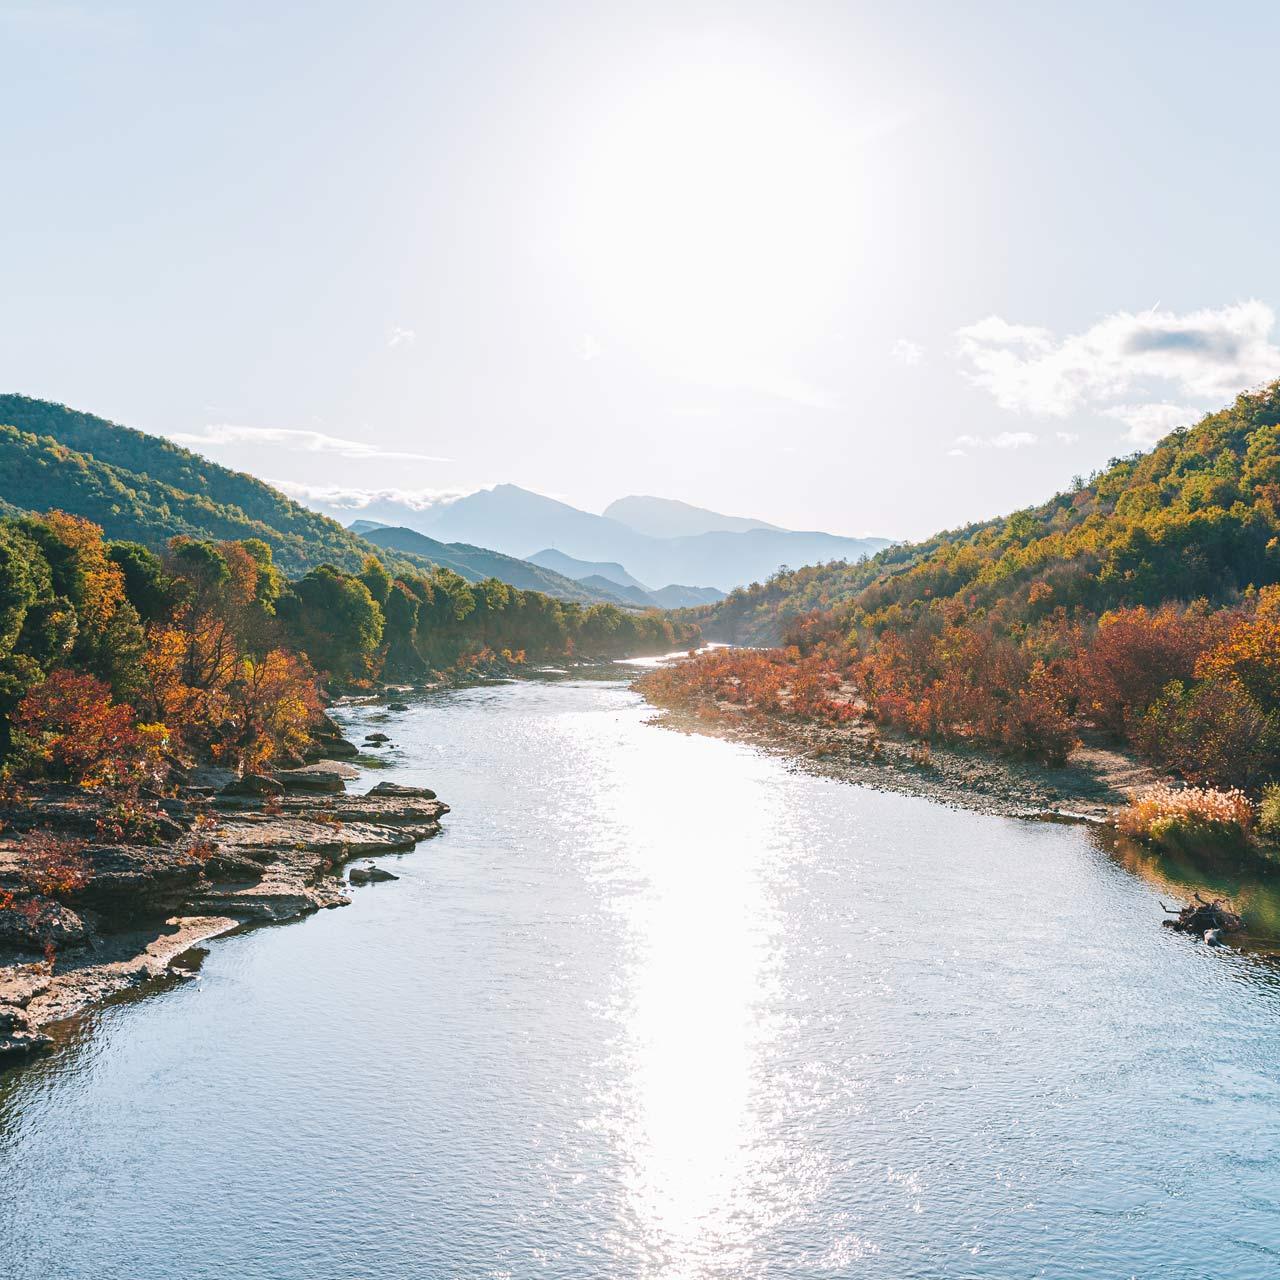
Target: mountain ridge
(520, 522)
(671, 518)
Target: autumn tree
(71, 729)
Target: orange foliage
(1136, 652)
(271, 704)
(755, 681)
(77, 733)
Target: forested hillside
(147, 489)
(477, 563)
(1194, 517)
(1143, 604)
(141, 486)
(115, 661)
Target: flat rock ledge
(229, 861)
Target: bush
(1269, 811)
(1189, 819)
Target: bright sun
(719, 217)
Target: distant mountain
(678, 597)
(613, 577)
(478, 563)
(519, 523)
(364, 526)
(670, 518)
(637, 596)
(581, 569)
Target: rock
(395, 789)
(327, 742)
(397, 706)
(17, 1038)
(376, 737)
(322, 781)
(253, 784)
(369, 875)
(129, 881)
(32, 922)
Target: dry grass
(1192, 819)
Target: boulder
(253, 784)
(397, 706)
(407, 793)
(31, 923)
(376, 737)
(324, 748)
(321, 781)
(133, 881)
(369, 875)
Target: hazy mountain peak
(671, 518)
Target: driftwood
(1207, 920)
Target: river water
(655, 1006)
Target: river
(656, 1006)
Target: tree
(73, 731)
(271, 704)
(332, 618)
(146, 585)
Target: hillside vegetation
(116, 662)
(475, 564)
(146, 489)
(1142, 604)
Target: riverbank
(1092, 786)
(110, 916)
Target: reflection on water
(700, 967)
(1254, 891)
(656, 1007)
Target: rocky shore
(1095, 782)
(104, 916)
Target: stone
(403, 792)
(253, 784)
(321, 781)
(397, 706)
(369, 875)
(376, 737)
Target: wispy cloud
(1148, 423)
(1067, 437)
(906, 352)
(347, 498)
(588, 348)
(1207, 355)
(1001, 440)
(401, 337)
(298, 441)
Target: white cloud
(401, 337)
(904, 351)
(588, 348)
(1002, 440)
(1148, 423)
(299, 441)
(346, 498)
(1208, 355)
(1067, 437)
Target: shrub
(1189, 819)
(1209, 733)
(1269, 810)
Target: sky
(874, 269)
